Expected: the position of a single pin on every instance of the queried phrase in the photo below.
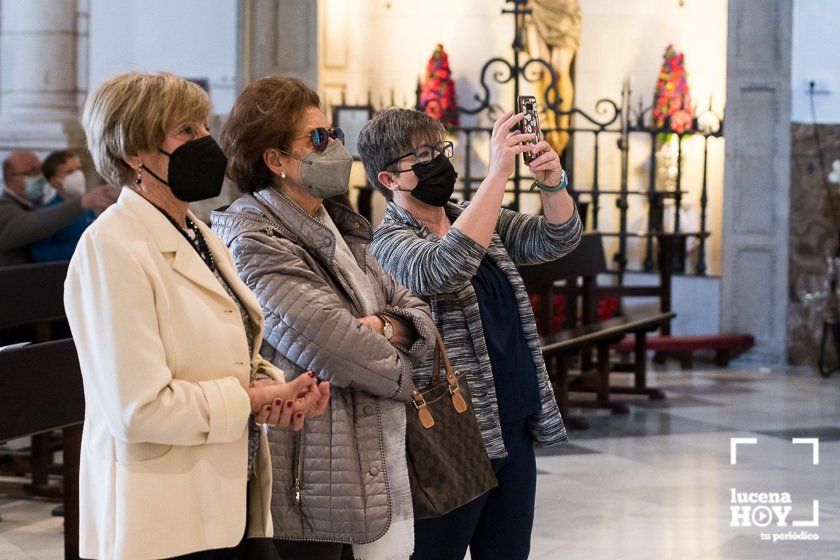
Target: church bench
(575, 276)
(725, 347)
(32, 310)
(41, 391)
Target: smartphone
(530, 124)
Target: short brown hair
(49, 168)
(264, 116)
(132, 112)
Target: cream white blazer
(164, 361)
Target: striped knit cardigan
(439, 271)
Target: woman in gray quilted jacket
(330, 308)
(462, 259)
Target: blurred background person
(25, 220)
(62, 171)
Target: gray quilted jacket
(330, 480)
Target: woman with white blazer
(174, 463)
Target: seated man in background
(62, 171)
(23, 218)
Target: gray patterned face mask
(327, 173)
(34, 188)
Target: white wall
(383, 46)
(626, 40)
(391, 40)
(192, 38)
(816, 56)
(387, 46)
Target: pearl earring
(139, 178)
(282, 174)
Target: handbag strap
(458, 401)
(440, 351)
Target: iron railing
(611, 119)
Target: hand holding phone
(506, 141)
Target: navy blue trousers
(496, 525)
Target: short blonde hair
(133, 112)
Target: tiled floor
(654, 484)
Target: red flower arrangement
(672, 100)
(437, 92)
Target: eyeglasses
(424, 154)
(320, 137)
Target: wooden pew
(32, 310)
(32, 293)
(583, 333)
(41, 391)
(724, 345)
(637, 344)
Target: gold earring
(139, 178)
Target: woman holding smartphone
(462, 260)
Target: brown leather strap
(440, 350)
(436, 367)
(450, 372)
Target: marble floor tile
(746, 548)
(565, 449)
(640, 423)
(824, 433)
(712, 389)
(673, 400)
(654, 484)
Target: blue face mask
(34, 187)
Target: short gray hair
(389, 135)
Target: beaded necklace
(195, 238)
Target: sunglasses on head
(321, 136)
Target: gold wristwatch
(387, 327)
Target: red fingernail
(290, 404)
(278, 402)
(312, 374)
(299, 415)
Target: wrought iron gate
(613, 120)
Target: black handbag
(447, 462)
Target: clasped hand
(286, 405)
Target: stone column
(756, 205)
(41, 52)
(278, 37)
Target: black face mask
(436, 181)
(196, 170)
